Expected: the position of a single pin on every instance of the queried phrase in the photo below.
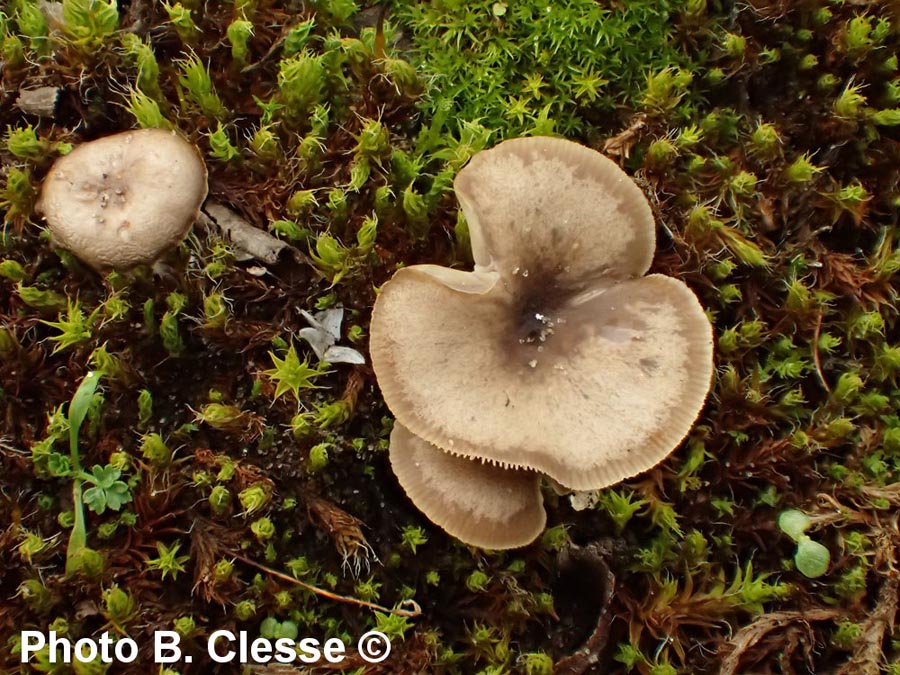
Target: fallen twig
(815, 353)
(752, 633)
(414, 612)
(868, 650)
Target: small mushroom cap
(124, 199)
(479, 504)
(534, 202)
(612, 382)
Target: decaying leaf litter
(764, 135)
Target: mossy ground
(766, 137)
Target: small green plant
(89, 22)
(811, 558)
(155, 451)
(17, 198)
(146, 111)
(255, 498)
(291, 375)
(76, 329)
(413, 537)
(620, 505)
(24, 143)
(239, 33)
(168, 562)
(106, 491)
(221, 147)
(394, 626)
(273, 629)
(180, 18)
(301, 81)
(78, 409)
(196, 80)
(141, 55)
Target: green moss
(506, 64)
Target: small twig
(815, 353)
(868, 651)
(752, 633)
(414, 612)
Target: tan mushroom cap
(125, 199)
(529, 201)
(615, 388)
(482, 505)
(578, 370)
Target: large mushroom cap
(124, 199)
(483, 505)
(587, 379)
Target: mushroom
(555, 354)
(124, 199)
(480, 504)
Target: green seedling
(25, 144)
(168, 563)
(146, 111)
(12, 270)
(291, 375)
(301, 81)
(850, 104)
(76, 329)
(811, 558)
(106, 491)
(33, 26)
(265, 144)
(263, 529)
(78, 410)
(180, 17)
(144, 59)
(17, 198)
(239, 33)
(197, 82)
(221, 147)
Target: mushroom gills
(480, 504)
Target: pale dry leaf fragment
(250, 243)
(323, 333)
(40, 101)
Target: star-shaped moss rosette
(554, 356)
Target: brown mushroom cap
(124, 199)
(482, 505)
(534, 202)
(587, 379)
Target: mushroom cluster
(556, 356)
(123, 200)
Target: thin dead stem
(412, 613)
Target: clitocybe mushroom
(482, 504)
(555, 354)
(123, 200)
